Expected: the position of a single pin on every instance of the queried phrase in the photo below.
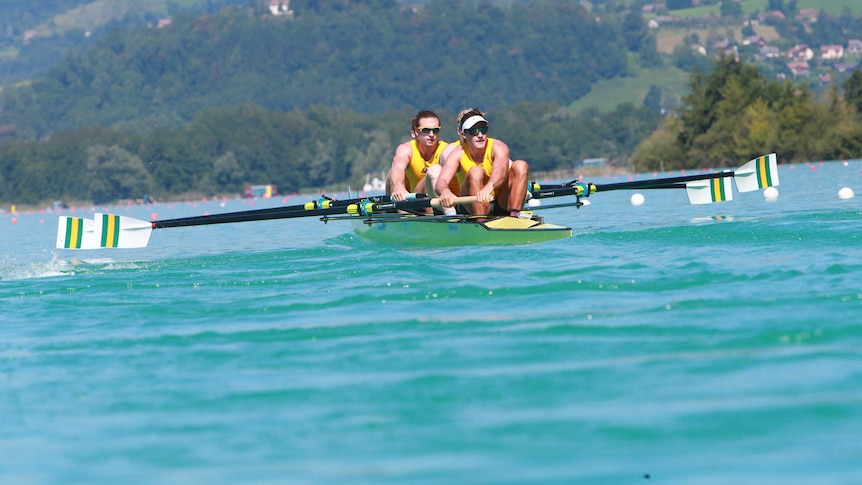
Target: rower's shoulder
(454, 147)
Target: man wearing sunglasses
(412, 160)
(483, 169)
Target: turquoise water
(663, 343)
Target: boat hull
(440, 231)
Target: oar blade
(707, 191)
(113, 231)
(759, 173)
(76, 233)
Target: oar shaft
(662, 183)
(243, 216)
(309, 209)
(571, 188)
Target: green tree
(678, 4)
(757, 132)
(115, 174)
(853, 91)
(227, 173)
(634, 29)
(652, 100)
(661, 150)
(730, 8)
(376, 156)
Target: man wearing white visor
(484, 169)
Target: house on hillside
(828, 52)
(854, 46)
(843, 67)
(727, 47)
(280, 7)
(798, 68)
(772, 14)
(754, 40)
(807, 15)
(769, 52)
(653, 7)
(699, 48)
(662, 20)
(800, 52)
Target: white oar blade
(760, 173)
(76, 233)
(113, 231)
(707, 191)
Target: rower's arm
(398, 173)
(450, 168)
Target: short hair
(423, 114)
(466, 114)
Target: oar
(106, 229)
(318, 207)
(758, 173)
(115, 231)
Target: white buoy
(637, 199)
(846, 193)
(534, 202)
(585, 202)
(770, 193)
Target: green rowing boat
(416, 230)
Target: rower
(415, 166)
(483, 169)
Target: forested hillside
(367, 56)
(34, 35)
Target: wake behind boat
(405, 222)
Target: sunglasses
(429, 129)
(477, 129)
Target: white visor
(471, 122)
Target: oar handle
(469, 199)
(367, 208)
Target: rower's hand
(486, 194)
(399, 195)
(447, 199)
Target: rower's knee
(433, 170)
(519, 168)
(476, 175)
(431, 176)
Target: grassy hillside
(101, 12)
(833, 7)
(606, 95)
(670, 37)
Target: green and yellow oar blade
(115, 231)
(760, 173)
(76, 233)
(104, 231)
(707, 191)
